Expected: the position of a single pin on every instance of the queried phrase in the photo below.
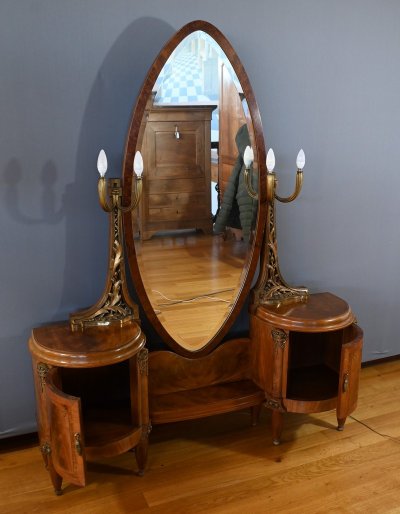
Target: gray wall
(327, 78)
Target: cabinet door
(170, 157)
(66, 440)
(350, 364)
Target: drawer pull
(346, 383)
(177, 134)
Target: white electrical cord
(207, 296)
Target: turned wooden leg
(141, 452)
(56, 479)
(277, 426)
(341, 422)
(255, 414)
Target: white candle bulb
(270, 160)
(102, 163)
(138, 164)
(301, 160)
(248, 156)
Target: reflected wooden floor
(192, 281)
(222, 465)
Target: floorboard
(192, 282)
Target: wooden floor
(204, 269)
(222, 465)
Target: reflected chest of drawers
(176, 150)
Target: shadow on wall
(104, 125)
(13, 176)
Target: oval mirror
(193, 243)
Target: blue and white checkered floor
(183, 83)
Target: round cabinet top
(320, 312)
(56, 344)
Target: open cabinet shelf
(312, 383)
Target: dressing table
(191, 284)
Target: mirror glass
(194, 229)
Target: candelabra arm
(102, 187)
(271, 185)
(295, 194)
(135, 196)
(271, 288)
(247, 182)
(115, 304)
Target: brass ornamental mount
(271, 288)
(143, 361)
(115, 304)
(280, 338)
(42, 371)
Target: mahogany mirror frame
(130, 148)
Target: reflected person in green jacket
(238, 210)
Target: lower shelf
(205, 401)
(109, 432)
(309, 406)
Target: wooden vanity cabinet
(176, 149)
(307, 357)
(91, 395)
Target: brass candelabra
(271, 288)
(115, 305)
